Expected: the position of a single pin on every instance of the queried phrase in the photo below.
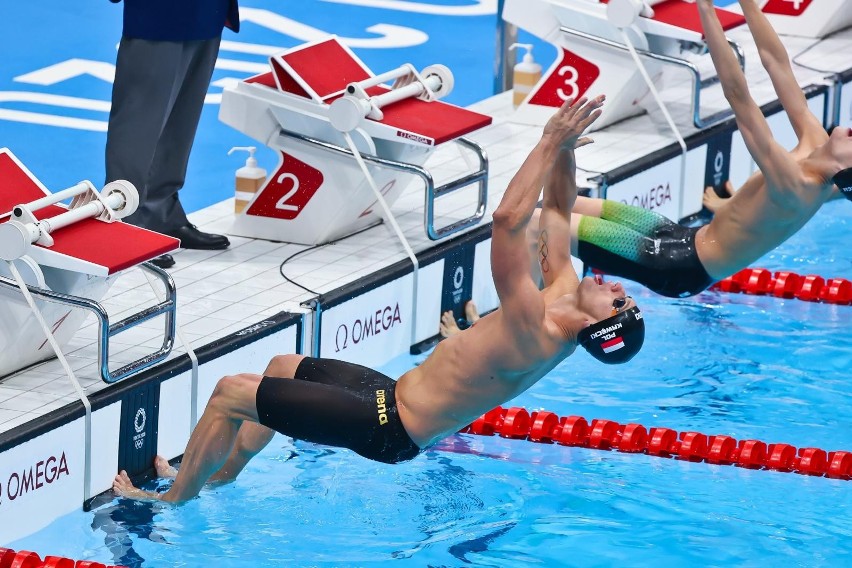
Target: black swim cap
(616, 339)
(843, 179)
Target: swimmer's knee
(284, 366)
(233, 392)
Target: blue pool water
(744, 366)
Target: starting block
(68, 256)
(313, 98)
(593, 58)
(808, 18)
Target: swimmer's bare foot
(164, 468)
(122, 486)
(711, 199)
(448, 325)
(470, 312)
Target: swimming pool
(744, 366)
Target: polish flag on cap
(612, 345)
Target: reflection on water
(123, 521)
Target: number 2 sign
(288, 191)
(569, 79)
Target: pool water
(743, 366)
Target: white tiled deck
(220, 292)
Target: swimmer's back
(469, 373)
(755, 221)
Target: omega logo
(361, 329)
(44, 472)
(655, 198)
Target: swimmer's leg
(614, 238)
(253, 437)
(250, 440)
(615, 249)
(589, 206)
(233, 401)
(640, 220)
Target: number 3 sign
(570, 78)
(289, 189)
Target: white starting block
(808, 18)
(594, 59)
(68, 257)
(314, 97)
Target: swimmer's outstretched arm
(510, 256)
(779, 169)
(775, 60)
(554, 241)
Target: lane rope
(548, 428)
(788, 285)
(26, 559)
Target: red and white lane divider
(26, 559)
(548, 428)
(784, 284)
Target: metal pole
(506, 35)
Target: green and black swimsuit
(643, 246)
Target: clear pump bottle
(526, 74)
(250, 178)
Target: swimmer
(449, 326)
(714, 199)
(771, 206)
(342, 404)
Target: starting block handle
(346, 113)
(114, 201)
(411, 90)
(61, 195)
(117, 199)
(391, 75)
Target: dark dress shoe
(191, 238)
(164, 261)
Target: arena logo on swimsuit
(381, 408)
(383, 319)
(35, 477)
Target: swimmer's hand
(571, 120)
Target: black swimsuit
(645, 247)
(337, 404)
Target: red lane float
(788, 285)
(546, 428)
(26, 559)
